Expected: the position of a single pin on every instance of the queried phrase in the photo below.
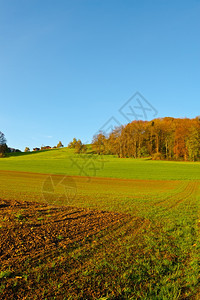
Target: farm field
(75, 237)
(64, 161)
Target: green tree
(3, 146)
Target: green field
(153, 254)
(64, 161)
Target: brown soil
(33, 236)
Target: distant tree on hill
(72, 144)
(77, 145)
(2, 138)
(27, 149)
(80, 147)
(60, 145)
(98, 143)
(3, 146)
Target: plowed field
(37, 239)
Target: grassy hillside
(64, 161)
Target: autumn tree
(98, 143)
(59, 145)
(115, 142)
(72, 144)
(181, 135)
(167, 138)
(193, 143)
(80, 147)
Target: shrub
(157, 156)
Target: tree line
(59, 145)
(162, 138)
(4, 149)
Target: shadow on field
(25, 153)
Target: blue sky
(67, 67)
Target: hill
(65, 161)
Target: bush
(157, 156)
(3, 150)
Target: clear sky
(67, 67)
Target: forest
(163, 138)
